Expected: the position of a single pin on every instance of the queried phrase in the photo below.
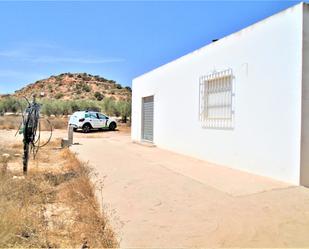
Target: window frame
(225, 87)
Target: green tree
(11, 104)
(109, 106)
(124, 108)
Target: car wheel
(74, 129)
(112, 126)
(86, 128)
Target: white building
(240, 102)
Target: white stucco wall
(266, 62)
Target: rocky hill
(71, 86)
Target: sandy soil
(165, 200)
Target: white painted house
(240, 102)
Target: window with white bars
(216, 100)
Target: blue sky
(116, 39)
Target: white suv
(88, 120)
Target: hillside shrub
(99, 96)
(50, 87)
(86, 88)
(78, 86)
(59, 95)
(128, 88)
(118, 86)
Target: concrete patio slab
(165, 199)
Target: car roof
(85, 111)
(82, 112)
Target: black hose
(50, 135)
(32, 132)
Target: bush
(99, 96)
(86, 77)
(118, 86)
(86, 88)
(59, 95)
(98, 78)
(78, 86)
(128, 88)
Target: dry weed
(10, 122)
(13, 122)
(54, 206)
(13, 151)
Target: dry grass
(124, 127)
(13, 151)
(57, 123)
(10, 122)
(13, 122)
(54, 206)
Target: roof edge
(221, 39)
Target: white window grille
(216, 100)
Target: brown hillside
(71, 86)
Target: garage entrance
(147, 118)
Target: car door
(103, 120)
(93, 118)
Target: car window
(101, 116)
(92, 115)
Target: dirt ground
(165, 199)
(162, 199)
